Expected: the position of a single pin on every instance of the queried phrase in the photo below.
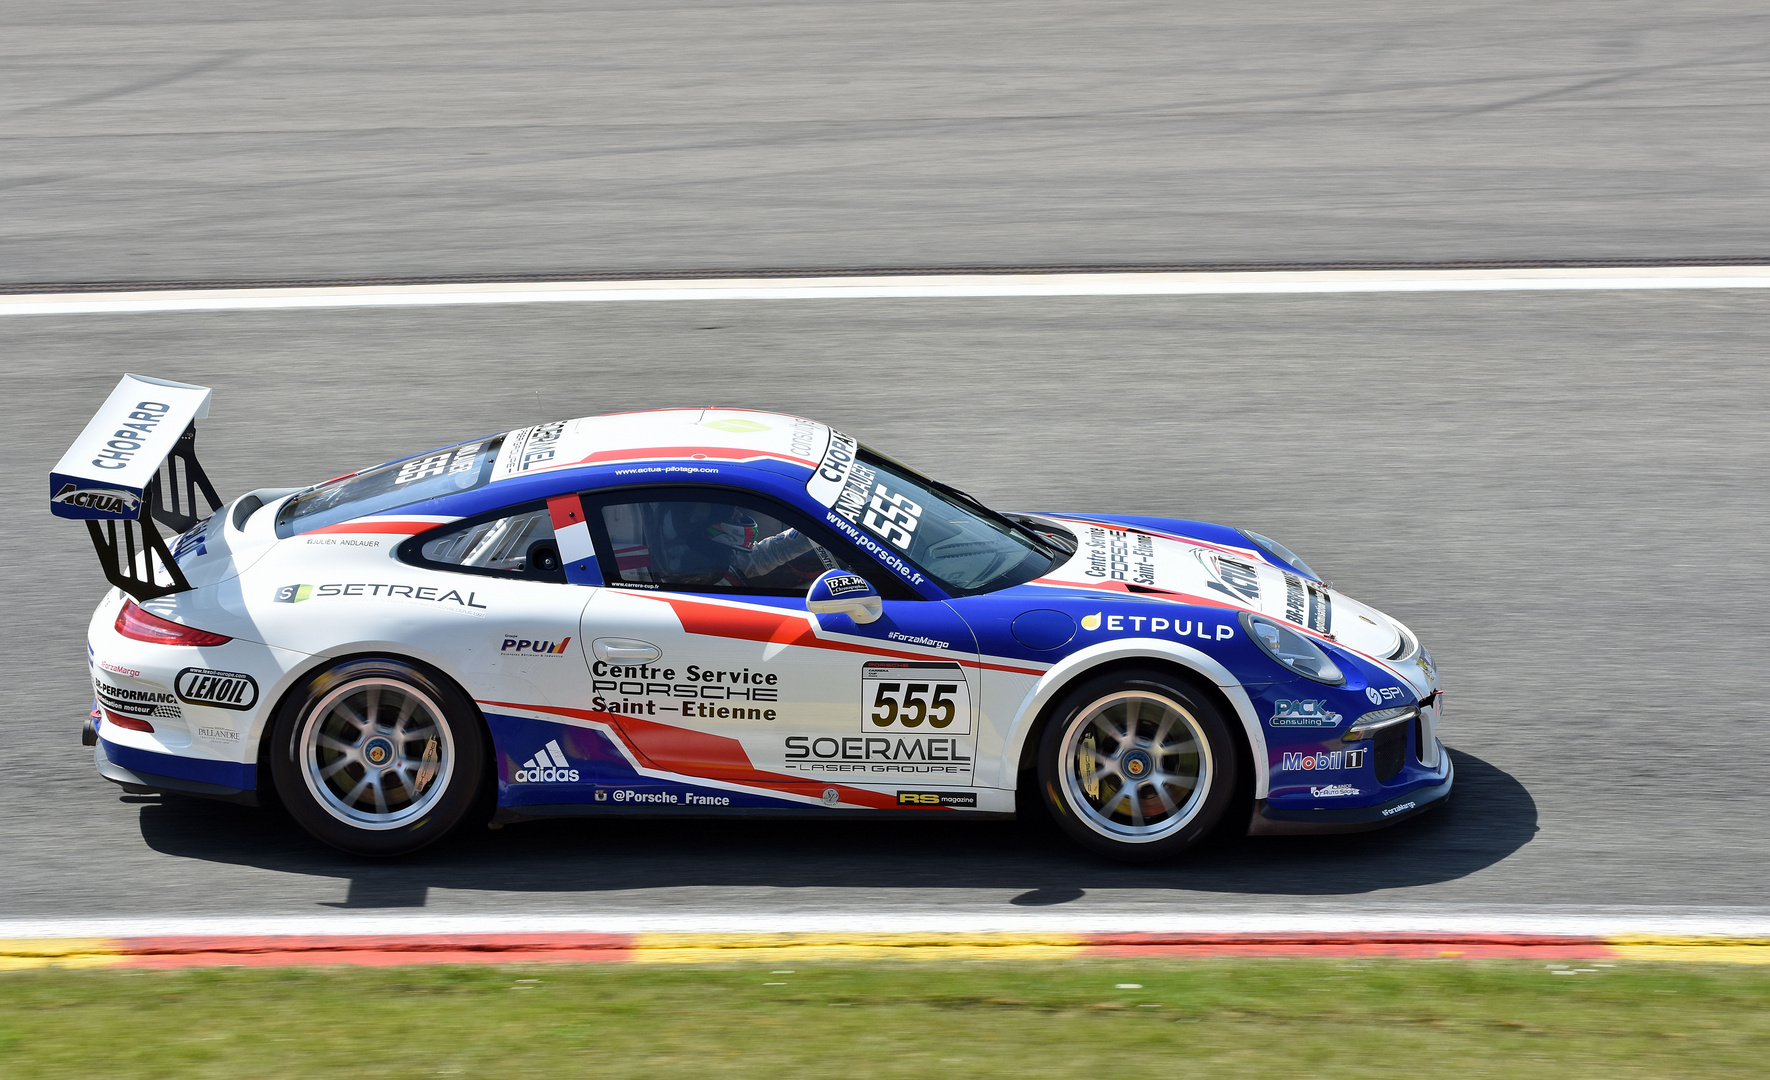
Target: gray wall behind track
(159, 140)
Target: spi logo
(1380, 694)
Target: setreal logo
(547, 767)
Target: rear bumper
(1288, 821)
(135, 777)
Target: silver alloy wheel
(376, 753)
(1135, 766)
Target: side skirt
(507, 815)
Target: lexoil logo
(222, 689)
(547, 767)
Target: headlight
(1372, 722)
(1280, 552)
(1292, 649)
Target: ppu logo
(533, 647)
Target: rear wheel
(377, 756)
(1137, 765)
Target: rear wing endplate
(135, 464)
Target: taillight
(129, 722)
(142, 625)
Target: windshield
(399, 483)
(956, 540)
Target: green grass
(1191, 1019)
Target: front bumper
(1294, 821)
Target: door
(747, 694)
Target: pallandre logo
(103, 500)
(547, 767)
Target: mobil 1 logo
(220, 689)
(915, 696)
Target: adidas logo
(546, 767)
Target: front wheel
(377, 756)
(1137, 765)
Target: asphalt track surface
(169, 141)
(1561, 492)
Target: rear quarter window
(452, 469)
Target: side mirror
(837, 592)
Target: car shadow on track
(1490, 817)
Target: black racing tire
(377, 756)
(1137, 765)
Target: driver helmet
(738, 531)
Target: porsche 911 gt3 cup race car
(717, 611)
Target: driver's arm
(771, 553)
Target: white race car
(717, 611)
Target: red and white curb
(387, 941)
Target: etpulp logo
(222, 689)
(1182, 628)
(1303, 712)
(547, 767)
(535, 647)
(103, 500)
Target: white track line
(895, 287)
(1731, 925)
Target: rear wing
(134, 465)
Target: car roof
(705, 434)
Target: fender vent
(1389, 751)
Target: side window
(510, 544)
(709, 541)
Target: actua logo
(103, 500)
(547, 767)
